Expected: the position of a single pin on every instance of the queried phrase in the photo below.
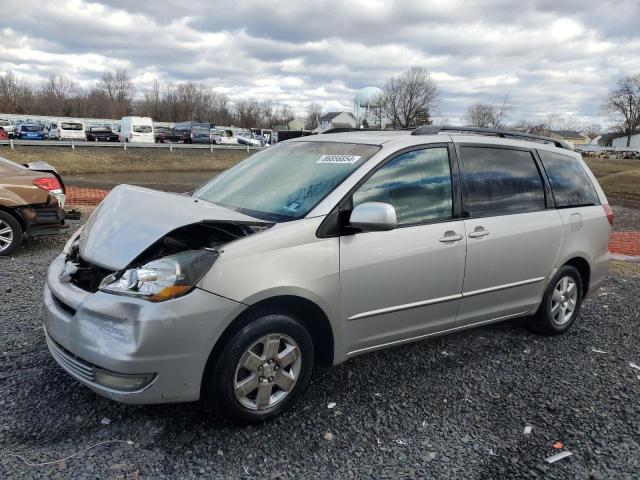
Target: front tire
(10, 234)
(561, 302)
(262, 369)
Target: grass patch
(620, 180)
(114, 159)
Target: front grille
(69, 361)
(89, 276)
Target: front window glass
(142, 128)
(417, 184)
(30, 128)
(500, 181)
(286, 181)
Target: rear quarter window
(569, 181)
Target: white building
(335, 120)
(622, 141)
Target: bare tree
(60, 96)
(15, 95)
(592, 130)
(119, 90)
(555, 121)
(623, 105)
(313, 114)
(487, 115)
(410, 98)
(376, 112)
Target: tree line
(407, 100)
(113, 96)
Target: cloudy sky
(549, 56)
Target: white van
(136, 129)
(64, 129)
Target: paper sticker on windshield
(340, 159)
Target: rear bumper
(44, 219)
(172, 340)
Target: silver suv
(319, 249)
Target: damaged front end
(169, 268)
(128, 260)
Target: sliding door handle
(479, 233)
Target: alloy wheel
(267, 371)
(564, 300)
(6, 235)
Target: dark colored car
(282, 135)
(102, 133)
(167, 135)
(193, 132)
(31, 202)
(29, 132)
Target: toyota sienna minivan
(319, 249)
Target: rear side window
(569, 182)
(500, 181)
(417, 184)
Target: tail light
(609, 213)
(50, 184)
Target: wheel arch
(313, 318)
(17, 216)
(583, 267)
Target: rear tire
(561, 302)
(10, 234)
(262, 369)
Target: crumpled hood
(131, 218)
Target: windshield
(71, 126)
(100, 129)
(4, 123)
(142, 128)
(30, 128)
(286, 181)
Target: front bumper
(171, 339)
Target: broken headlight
(162, 279)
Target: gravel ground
(452, 407)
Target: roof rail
(352, 129)
(434, 129)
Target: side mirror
(373, 217)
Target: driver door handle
(451, 236)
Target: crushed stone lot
(451, 407)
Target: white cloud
(548, 56)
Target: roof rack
(352, 129)
(434, 129)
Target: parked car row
(133, 129)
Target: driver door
(404, 284)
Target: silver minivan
(319, 249)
